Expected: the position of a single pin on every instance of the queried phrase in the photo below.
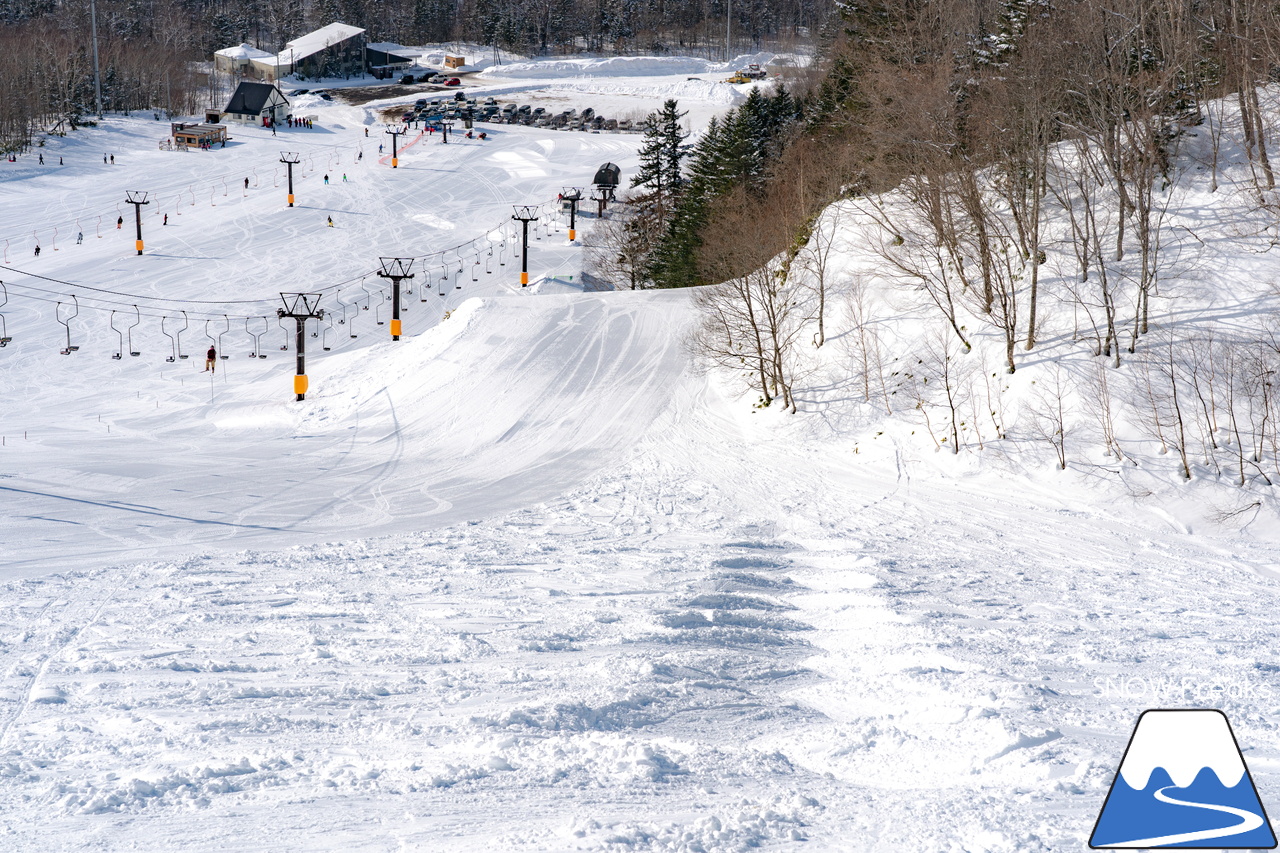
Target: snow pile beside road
(713, 92)
(614, 66)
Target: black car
(406, 80)
(424, 78)
(588, 114)
(460, 96)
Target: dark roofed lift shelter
(252, 103)
(607, 175)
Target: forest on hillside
(1018, 174)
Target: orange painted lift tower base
(290, 159)
(301, 307)
(524, 215)
(137, 199)
(395, 269)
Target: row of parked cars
(489, 110)
(430, 77)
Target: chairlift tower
(137, 199)
(290, 159)
(524, 215)
(395, 137)
(301, 307)
(396, 269)
(573, 195)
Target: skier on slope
(211, 360)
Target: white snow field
(528, 579)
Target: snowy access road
(510, 402)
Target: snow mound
(614, 66)
(714, 92)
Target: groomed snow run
(527, 579)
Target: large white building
(334, 50)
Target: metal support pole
(396, 269)
(302, 354)
(301, 307)
(524, 215)
(137, 199)
(290, 159)
(395, 137)
(97, 77)
(573, 195)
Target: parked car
(524, 109)
(437, 79)
(588, 114)
(407, 80)
(611, 124)
(459, 96)
(508, 109)
(490, 102)
(420, 103)
(453, 81)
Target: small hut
(193, 135)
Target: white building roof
(314, 42)
(243, 51)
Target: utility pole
(524, 215)
(395, 137)
(573, 195)
(290, 159)
(396, 269)
(97, 77)
(301, 307)
(137, 199)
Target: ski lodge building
(334, 50)
(253, 103)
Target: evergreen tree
(661, 155)
(735, 152)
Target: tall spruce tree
(661, 156)
(735, 152)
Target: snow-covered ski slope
(524, 580)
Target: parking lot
(457, 106)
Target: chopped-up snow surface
(527, 579)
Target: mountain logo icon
(1183, 784)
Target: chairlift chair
(221, 352)
(176, 337)
(285, 346)
(119, 333)
(173, 355)
(137, 321)
(67, 323)
(257, 346)
(4, 331)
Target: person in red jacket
(211, 361)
